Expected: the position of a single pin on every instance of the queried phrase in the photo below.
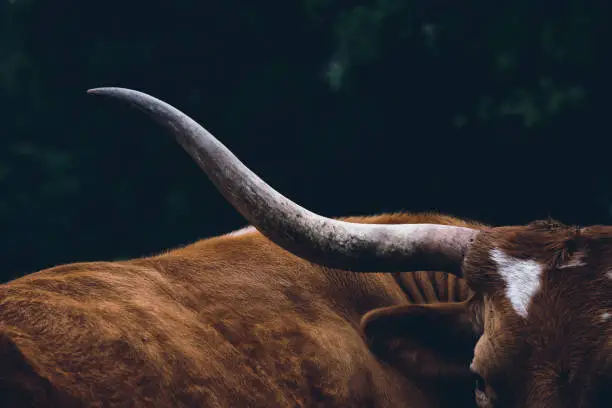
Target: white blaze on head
(609, 274)
(605, 316)
(522, 279)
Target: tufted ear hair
(431, 341)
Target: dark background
(493, 110)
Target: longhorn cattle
(541, 294)
(236, 321)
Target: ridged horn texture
(324, 241)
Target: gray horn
(321, 240)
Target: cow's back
(229, 321)
(236, 342)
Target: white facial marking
(242, 231)
(522, 279)
(604, 316)
(609, 274)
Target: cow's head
(538, 324)
(542, 306)
(542, 303)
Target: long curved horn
(321, 240)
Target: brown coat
(231, 321)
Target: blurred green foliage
(483, 109)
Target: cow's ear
(434, 341)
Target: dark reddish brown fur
(231, 321)
(564, 347)
(560, 354)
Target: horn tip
(124, 94)
(105, 90)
